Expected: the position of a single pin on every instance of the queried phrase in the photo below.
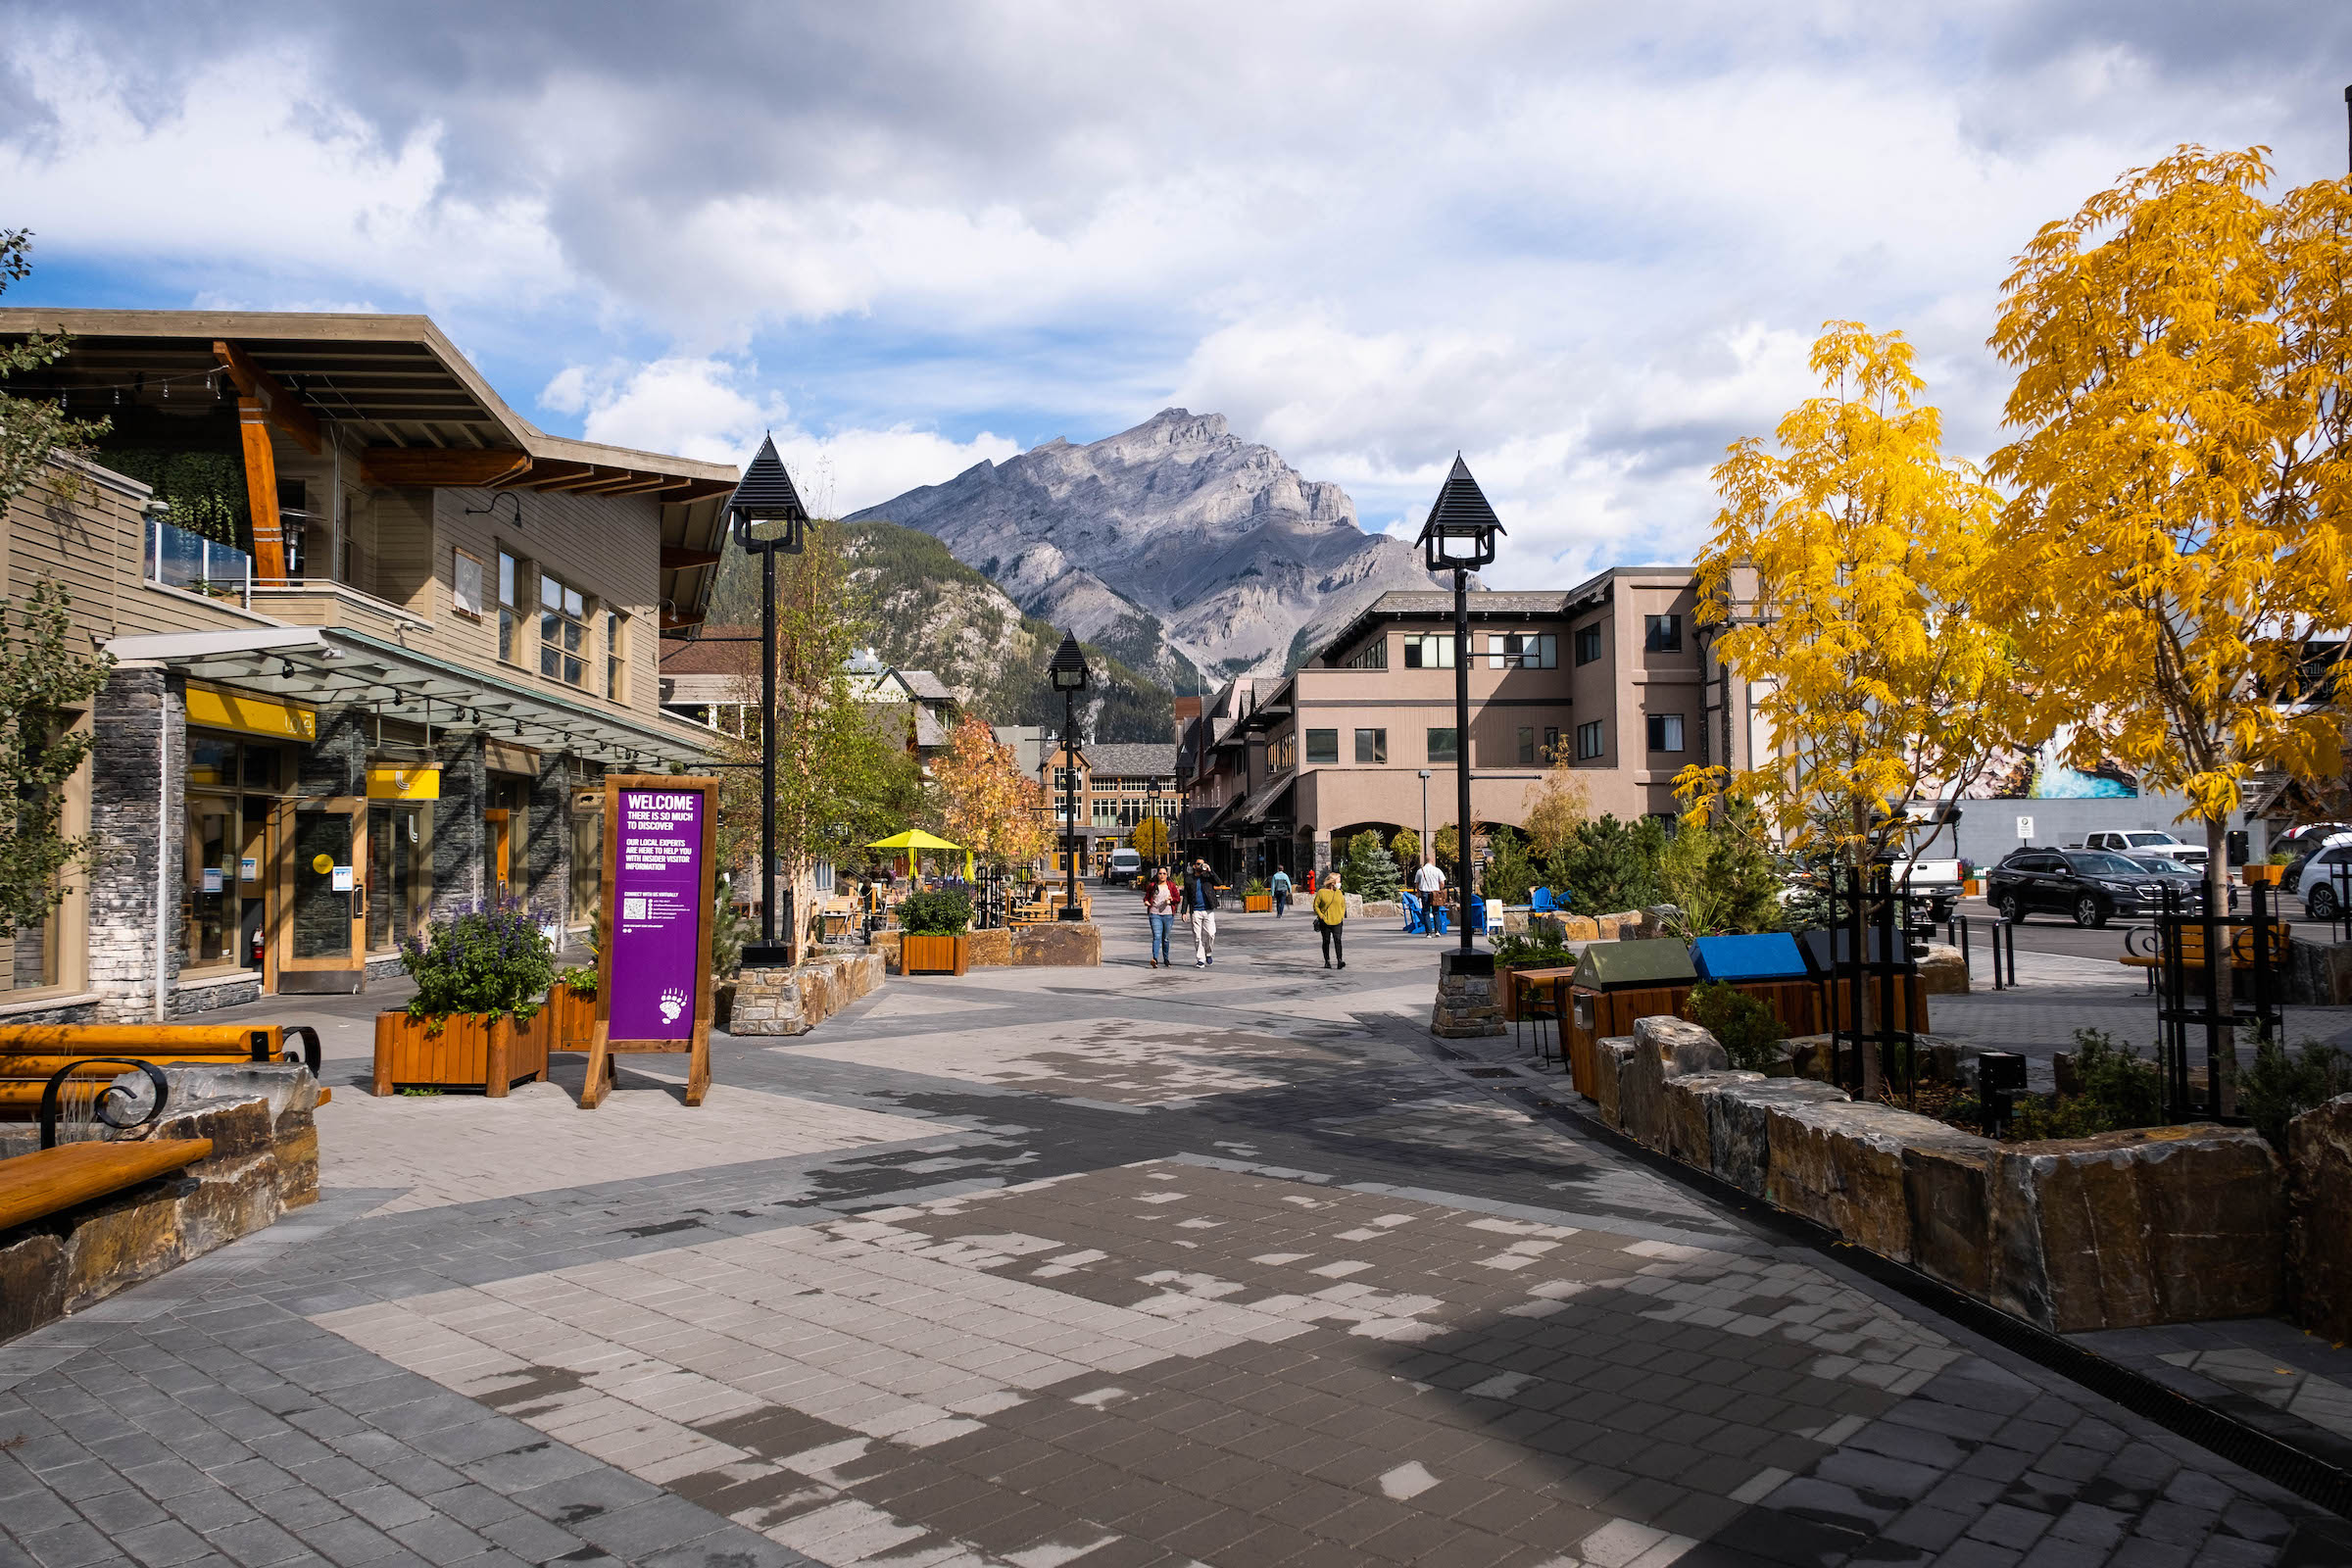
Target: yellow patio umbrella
(914, 837)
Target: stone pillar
(1468, 1004)
(458, 828)
(546, 853)
(140, 700)
(336, 763)
(1322, 853)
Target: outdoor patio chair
(1415, 916)
(1539, 902)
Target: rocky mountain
(1189, 553)
(928, 610)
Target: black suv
(2091, 885)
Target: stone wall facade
(546, 879)
(794, 1001)
(141, 707)
(458, 875)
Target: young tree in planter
(985, 803)
(2182, 521)
(1847, 574)
(1149, 840)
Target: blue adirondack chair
(1540, 900)
(1414, 917)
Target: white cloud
(712, 410)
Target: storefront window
(32, 957)
(398, 872)
(225, 900)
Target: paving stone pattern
(1110, 1267)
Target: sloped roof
(926, 686)
(708, 656)
(1130, 759)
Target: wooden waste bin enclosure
(1838, 997)
(1619, 982)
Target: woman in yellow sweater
(1331, 912)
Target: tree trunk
(2218, 949)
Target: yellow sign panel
(253, 715)
(404, 783)
(322, 864)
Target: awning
(334, 667)
(1256, 806)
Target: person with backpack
(1200, 906)
(1280, 885)
(1331, 912)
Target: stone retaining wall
(265, 1160)
(2318, 1156)
(2162, 1225)
(795, 1001)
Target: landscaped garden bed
(480, 1018)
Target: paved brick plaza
(1060, 1267)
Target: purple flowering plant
(491, 959)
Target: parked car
(2145, 841)
(2174, 873)
(2322, 895)
(2090, 885)
(2305, 843)
(1124, 868)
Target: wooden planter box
(1258, 904)
(471, 1051)
(2271, 875)
(572, 1018)
(1597, 1015)
(934, 954)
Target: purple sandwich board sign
(654, 957)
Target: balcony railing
(193, 564)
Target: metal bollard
(2000, 1078)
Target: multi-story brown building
(1612, 676)
(376, 641)
(1116, 786)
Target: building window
(1587, 741)
(615, 653)
(1527, 743)
(1588, 642)
(1428, 652)
(1322, 745)
(466, 584)
(1374, 654)
(1665, 635)
(562, 635)
(1516, 650)
(1444, 744)
(1371, 745)
(510, 607)
(1665, 732)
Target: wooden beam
(677, 558)
(445, 467)
(281, 407)
(595, 478)
(641, 484)
(698, 490)
(261, 491)
(548, 472)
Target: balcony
(177, 559)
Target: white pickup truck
(1933, 883)
(2146, 841)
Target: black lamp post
(1459, 537)
(1069, 675)
(1151, 812)
(766, 494)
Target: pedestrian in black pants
(1331, 912)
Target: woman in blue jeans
(1159, 908)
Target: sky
(1587, 245)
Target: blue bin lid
(1774, 955)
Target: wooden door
(497, 847)
(322, 904)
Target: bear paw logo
(673, 1003)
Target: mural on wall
(2045, 775)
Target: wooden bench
(32, 1053)
(38, 1185)
(2193, 951)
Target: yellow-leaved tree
(1150, 840)
(2180, 536)
(1844, 576)
(985, 803)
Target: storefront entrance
(321, 940)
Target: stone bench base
(795, 1001)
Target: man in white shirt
(1429, 882)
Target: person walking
(1159, 908)
(1281, 884)
(1331, 913)
(1200, 903)
(1429, 882)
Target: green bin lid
(1644, 961)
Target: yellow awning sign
(404, 783)
(251, 715)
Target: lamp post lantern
(766, 494)
(1070, 676)
(1459, 537)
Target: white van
(1125, 866)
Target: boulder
(229, 1199)
(1379, 909)
(886, 945)
(2317, 974)
(1664, 1047)
(1841, 1163)
(1356, 905)
(2319, 1167)
(1688, 1117)
(1738, 1126)
(1619, 927)
(988, 949)
(33, 1282)
(1947, 1184)
(1058, 944)
(1579, 928)
(1611, 1059)
(1942, 973)
(2123, 1230)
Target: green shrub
(1528, 952)
(935, 915)
(2121, 1090)
(493, 962)
(1607, 866)
(1514, 873)
(2278, 1087)
(1744, 1025)
(1257, 884)
(731, 929)
(580, 977)
(1370, 868)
